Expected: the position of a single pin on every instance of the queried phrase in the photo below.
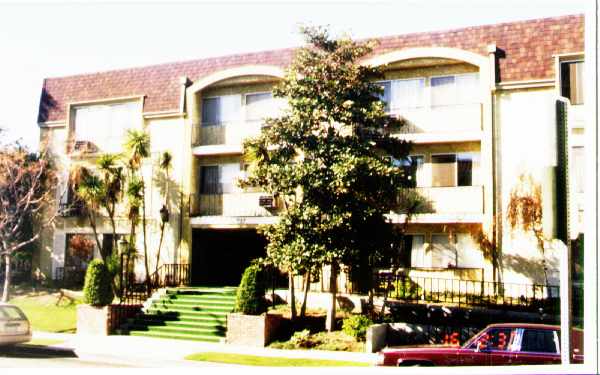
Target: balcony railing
(226, 134)
(242, 204)
(441, 119)
(456, 199)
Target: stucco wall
(527, 147)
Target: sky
(52, 39)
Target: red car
(497, 344)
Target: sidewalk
(169, 350)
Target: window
(454, 89)
(413, 169)
(260, 106)
(416, 245)
(403, 94)
(443, 170)
(454, 169)
(221, 110)
(540, 341)
(105, 125)
(497, 339)
(219, 179)
(443, 251)
(571, 81)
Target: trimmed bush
(250, 297)
(356, 326)
(97, 290)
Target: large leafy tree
(328, 159)
(26, 186)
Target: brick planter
(252, 330)
(92, 320)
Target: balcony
(442, 124)
(224, 139)
(234, 209)
(455, 199)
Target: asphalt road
(40, 357)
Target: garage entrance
(219, 257)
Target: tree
(26, 194)
(137, 146)
(101, 193)
(328, 159)
(165, 166)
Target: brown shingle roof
(527, 48)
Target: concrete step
(193, 308)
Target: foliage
(97, 287)
(250, 297)
(301, 339)
(327, 159)
(81, 246)
(26, 187)
(356, 326)
(525, 211)
(137, 146)
(332, 341)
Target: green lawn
(44, 314)
(252, 360)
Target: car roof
(523, 325)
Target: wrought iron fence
(171, 275)
(466, 292)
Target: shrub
(303, 339)
(250, 297)
(97, 290)
(356, 326)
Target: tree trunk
(162, 234)
(331, 312)
(5, 292)
(292, 296)
(306, 289)
(148, 287)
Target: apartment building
(481, 111)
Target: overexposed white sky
(50, 39)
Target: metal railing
(466, 292)
(170, 275)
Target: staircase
(198, 314)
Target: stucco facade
(499, 129)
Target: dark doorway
(219, 257)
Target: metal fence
(466, 292)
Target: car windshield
(11, 313)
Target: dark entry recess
(219, 257)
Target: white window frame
(222, 123)
(452, 242)
(431, 106)
(245, 105)
(559, 74)
(426, 96)
(426, 253)
(72, 119)
(456, 154)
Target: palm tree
(91, 191)
(165, 165)
(112, 177)
(137, 146)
